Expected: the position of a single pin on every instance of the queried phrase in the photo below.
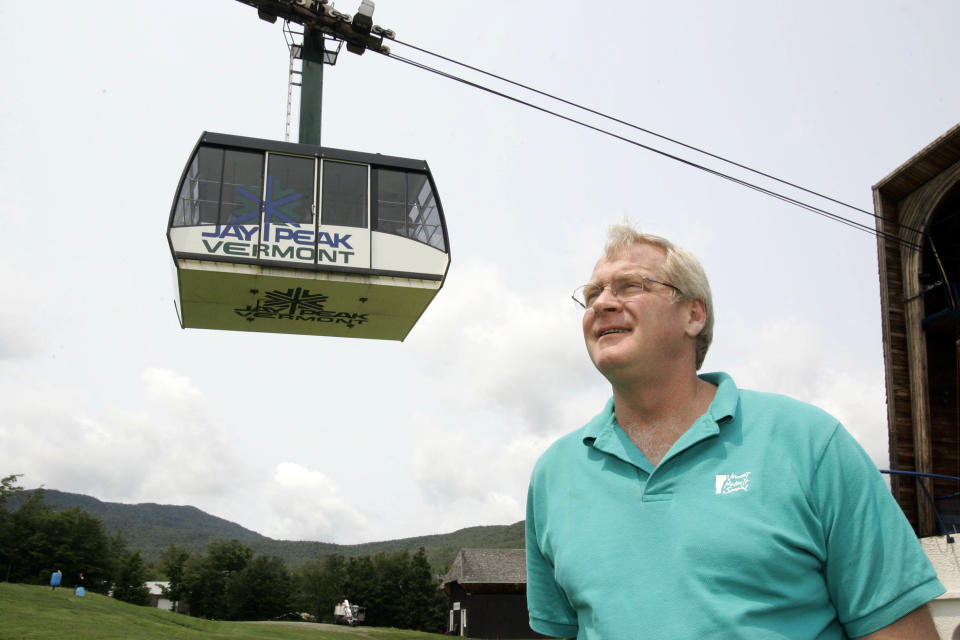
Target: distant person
(55, 579)
(691, 509)
(80, 590)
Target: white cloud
(468, 479)
(521, 352)
(163, 386)
(172, 449)
(509, 370)
(24, 304)
(168, 450)
(795, 358)
(305, 504)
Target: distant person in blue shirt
(55, 579)
(691, 509)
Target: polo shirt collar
(724, 405)
(604, 434)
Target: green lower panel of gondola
(250, 298)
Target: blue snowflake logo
(271, 208)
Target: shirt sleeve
(876, 571)
(550, 611)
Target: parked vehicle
(349, 614)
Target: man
(691, 509)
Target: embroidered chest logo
(733, 482)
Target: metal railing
(916, 475)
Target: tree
(205, 577)
(392, 589)
(35, 541)
(229, 556)
(425, 602)
(197, 583)
(173, 562)
(362, 587)
(77, 543)
(8, 487)
(129, 584)
(24, 560)
(260, 591)
(320, 585)
(398, 591)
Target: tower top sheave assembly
(321, 23)
(357, 31)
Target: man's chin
(609, 361)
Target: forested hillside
(64, 542)
(151, 528)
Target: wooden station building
(918, 242)
(487, 589)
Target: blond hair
(680, 268)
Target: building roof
(931, 160)
(156, 587)
(488, 566)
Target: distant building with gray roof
(487, 589)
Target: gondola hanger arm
(358, 31)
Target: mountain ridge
(152, 527)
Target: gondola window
(290, 190)
(242, 187)
(406, 207)
(344, 200)
(199, 200)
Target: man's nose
(606, 300)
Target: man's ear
(697, 318)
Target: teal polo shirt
(764, 520)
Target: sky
(349, 441)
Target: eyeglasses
(623, 288)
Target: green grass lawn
(29, 612)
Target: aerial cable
(833, 216)
(644, 130)
(813, 209)
(334, 23)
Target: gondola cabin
(293, 238)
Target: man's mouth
(607, 332)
